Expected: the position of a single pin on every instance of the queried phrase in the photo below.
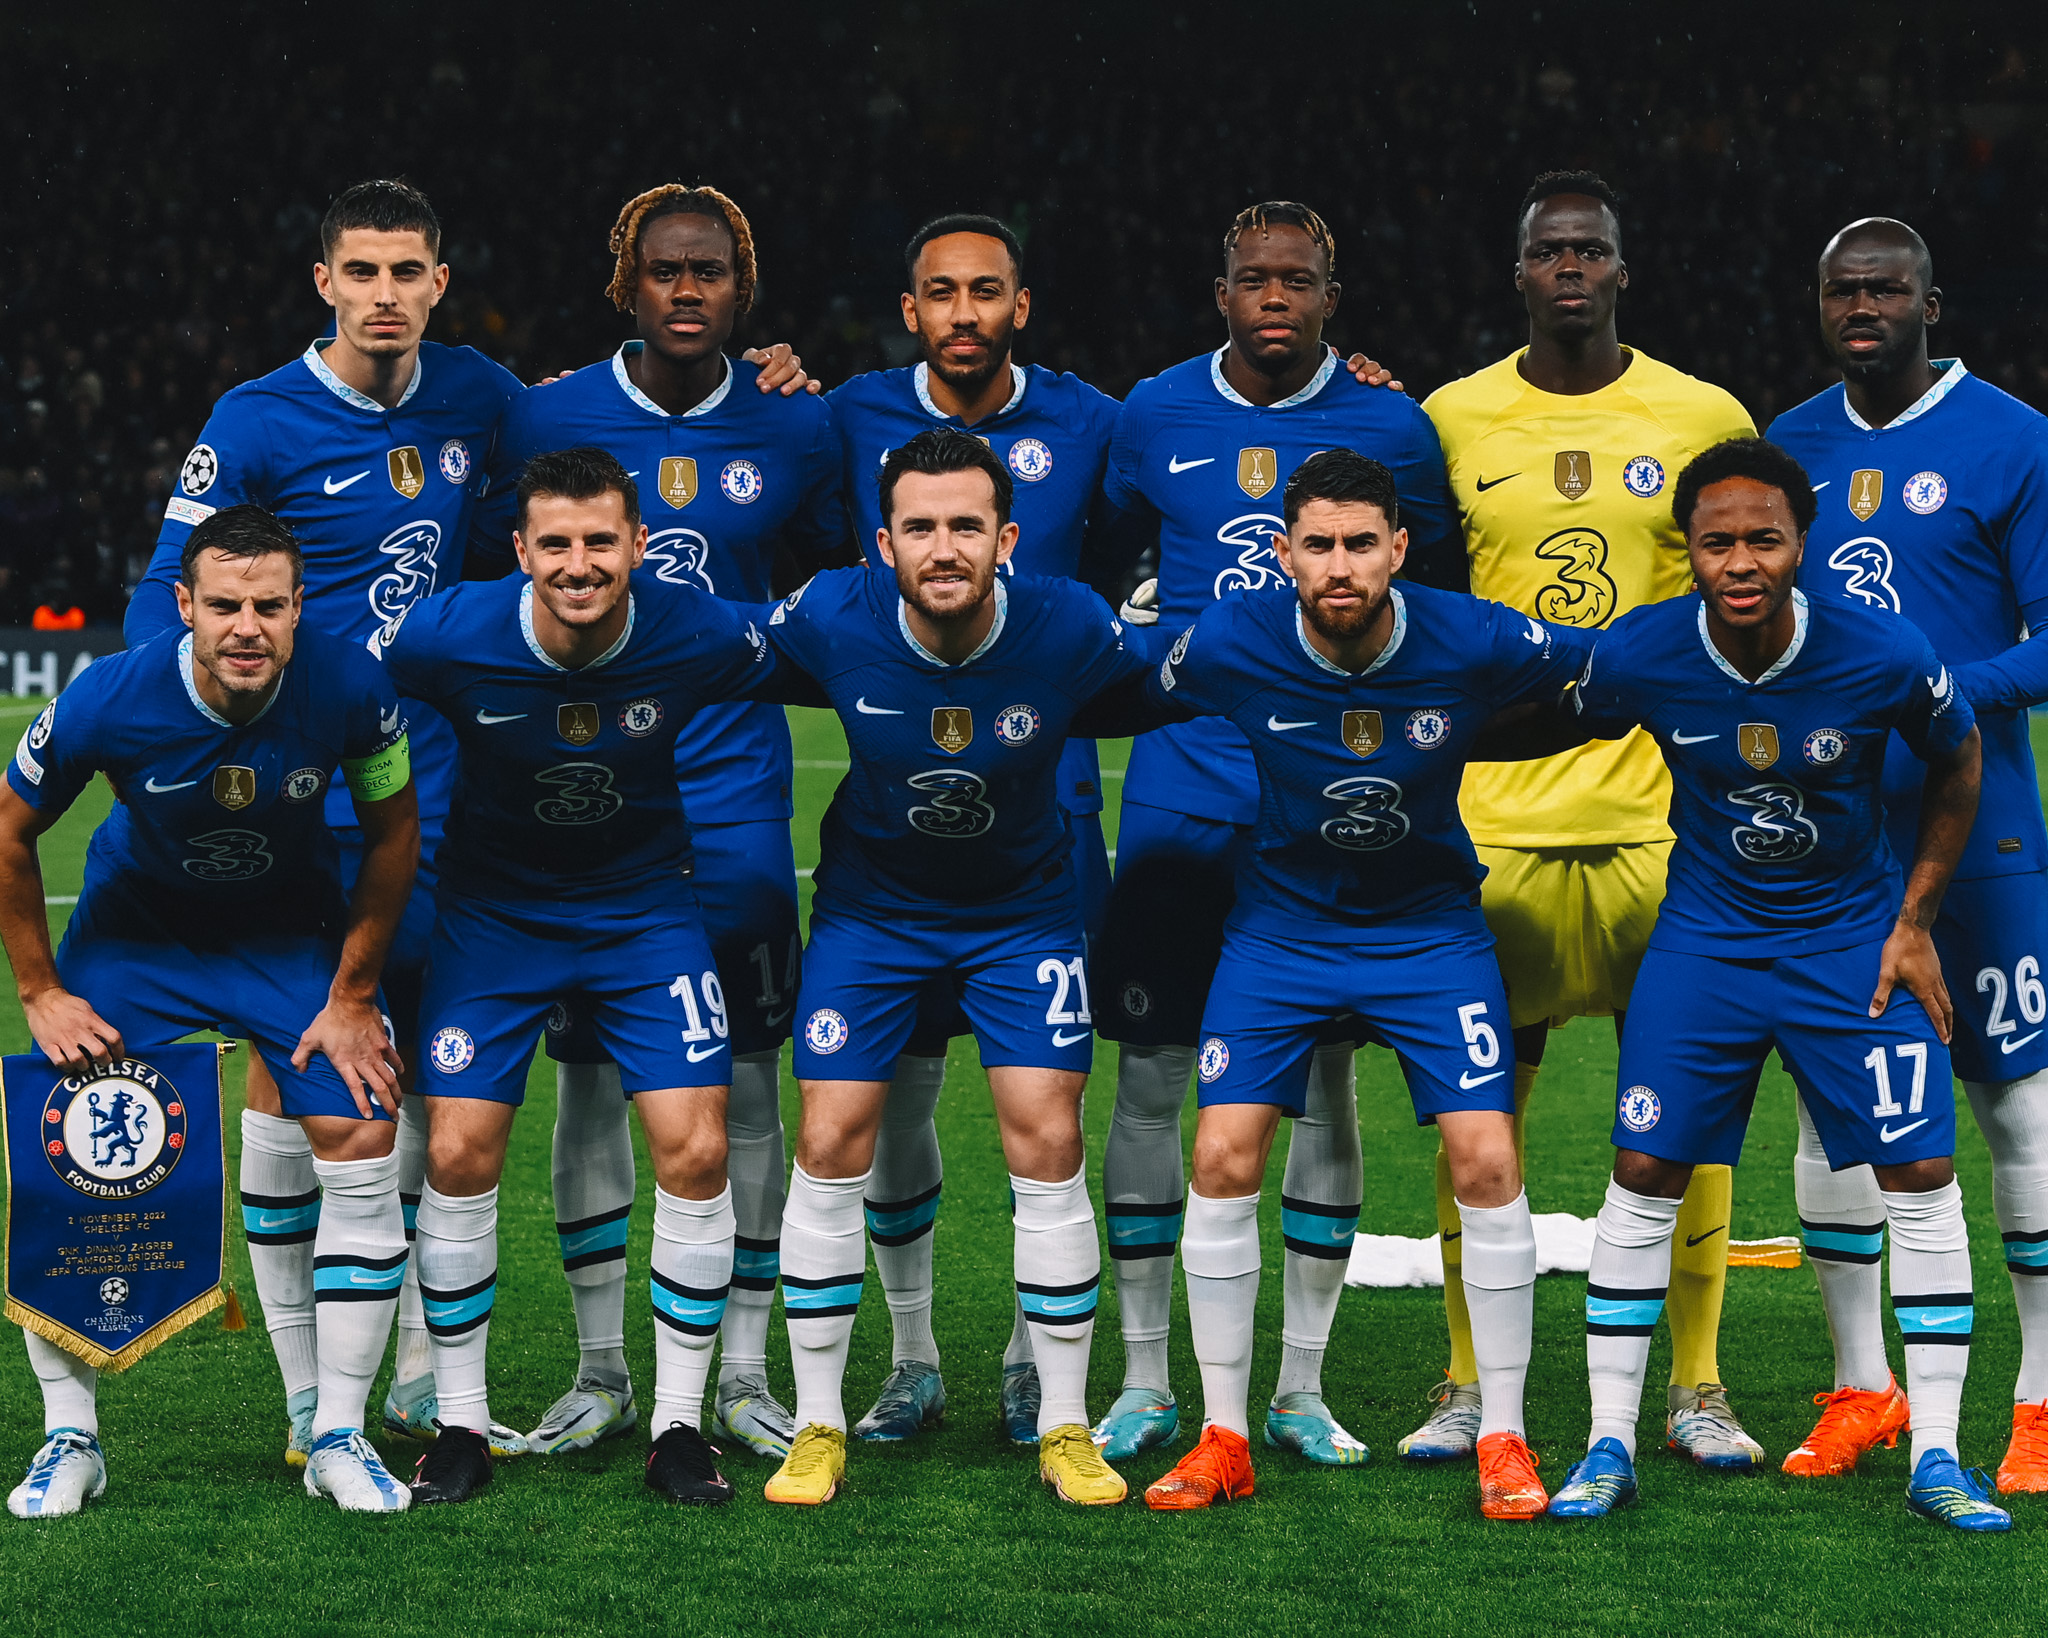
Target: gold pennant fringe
(232, 1320)
(120, 1359)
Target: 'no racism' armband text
(381, 773)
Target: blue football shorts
(1020, 974)
(640, 970)
(1439, 1004)
(1176, 880)
(745, 881)
(121, 956)
(1993, 937)
(1700, 1027)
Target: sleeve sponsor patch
(33, 739)
(181, 510)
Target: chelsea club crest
(1016, 724)
(740, 482)
(1030, 460)
(114, 1133)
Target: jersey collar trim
(625, 381)
(1952, 373)
(921, 379)
(1324, 662)
(995, 630)
(207, 711)
(547, 659)
(1316, 384)
(1780, 665)
(347, 394)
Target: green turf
(204, 1530)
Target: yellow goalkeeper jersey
(1566, 505)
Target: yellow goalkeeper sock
(1699, 1276)
(1450, 1232)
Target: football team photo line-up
(1562, 694)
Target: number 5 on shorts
(1482, 1045)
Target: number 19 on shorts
(686, 990)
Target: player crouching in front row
(1359, 893)
(185, 924)
(1784, 908)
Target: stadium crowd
(161, 242)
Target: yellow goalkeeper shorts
(1570, 924)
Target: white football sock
(690, 1278)
(1933, 1302)
(2013, 1116)
(1143, 1180)
(824, 1260)
(1220, 1256)
(70, 1386)
(903, 1204)
(358, 1265)
(1319, 1198)
(1500, 1294)
(280, 1217)
(1624, 1298)
(594, 1181)
(415, 1355)
(1841, 1219)
(754, 1164)
(1059, 1277)
(457, 1244)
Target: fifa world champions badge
(116, 1200)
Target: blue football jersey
(1053, 435)
(1358, 830)
(953, 793)
(1942, 516)
(721, 485)
(210, 817)
(1212, 466)
(566, 783)
(1776, 784)
(379, 499)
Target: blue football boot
(1597, 1485)
(1302, 1423)
(1020, 1404)
(1942, 1490)
(912, 1400)
(1141, 1419)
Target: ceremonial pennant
(116, 1200)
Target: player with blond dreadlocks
(730, 474)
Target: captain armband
(381, 773)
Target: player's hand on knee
(355, 1040)
(69, 1033)
(1370, 373)
(1909, 959)
(781, 369)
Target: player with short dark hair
(1203, 448)
(1356, 897)
(945, 857)
(1784, 927)
(1559, 456)
(568, 880)
(729, 479)
(1934, 503)
(213, 900)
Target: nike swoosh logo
(273, 1222)
(386, 724)
(1061, 1038)
(774, 1019)
(150, 784)
(488, 718)
(1455, 1234)
(2014, 1046)
(334, 488)
(699, 1054)
(1692, 1240)
(1468, 1080)
(362, 1279)
(1692, 739)
(1179, 465)
(1887, 1135)
(861, 705)
(1280, 727)
(1817, 488)
(1485, 484)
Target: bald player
(1560, 457)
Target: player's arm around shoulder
(1564, 689)
(413, 645)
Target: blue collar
(711, 401)
(1316, 383)
(547, 659)
(347, 394)
(995, 630)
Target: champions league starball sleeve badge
(116, 1200)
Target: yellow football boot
(810, 1473)
(1070, 1463)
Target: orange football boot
(1854, 1422)
(1218, 1469)
(1508, 1486)
(2026, 1459)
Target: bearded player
(1933, 503)
(1559, 457)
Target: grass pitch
(204, 1530)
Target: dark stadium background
(165, 167)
